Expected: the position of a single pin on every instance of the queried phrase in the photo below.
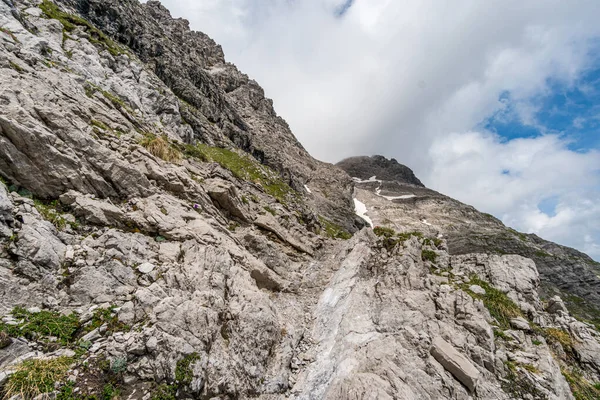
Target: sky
(495, 103)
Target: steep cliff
(163, 235)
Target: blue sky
(495, 103)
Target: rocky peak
(390, 170)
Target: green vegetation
(16, 67)
(435, 242)
(581, 388)
(500, 306)
(582, 310)
(391, 238)
(9, 33)
(333, 230)
(43, 325)
(53, 212)
(429, 255)
(70, 22)
(34, 377)
(99, 124)
(106, 316)
(384, 231)
(500, 334)
(270, 210)
(518, 384)
(536, 342)
(160, 147)
(246, 168)
(165, 392)
(559, 336)
(116, 101)
(183, 370)
(521, 236)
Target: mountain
(164, 235)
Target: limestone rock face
(162, 228)
(455, 363)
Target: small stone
(520, 323)
(146, 268)
(34, 310)
(477, 289)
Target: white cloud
(395, 78)
(511, 179)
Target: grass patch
(246, 168)
(160, 147)
(520, 235)
(333, 230)
(500, 334)
(43, 325)
(109, 317)
(561, 337)
(581, 388)
(518, 385)
(70, 22)
(53, 212)
(9, 33)
(99, 124)
(183, 370)
(500, 306)
(429, 255)
(384, 231)
(270, 210)
(391, 238)
(16, 67)
(35, 377)
(165, 392)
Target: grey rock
(457, 364)
(477, 289)
(520, 323)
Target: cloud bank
(417, 80)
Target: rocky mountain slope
(163, 235)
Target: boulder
(455, 363)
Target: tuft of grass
(559, 336)
(333, 230)
(581, 388)
(32, 378)
(52, 212)
(500, 334)
(99, 124)
(160, 147)
(106, 316)
(16, 67)
(536, 342)
(9, 33)
(183, 369)
(500, 306)
(429, 255)
(70, 22)
(43, 325)
(518, 385)
(270, 210)
(244, 167)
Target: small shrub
(383, 231)
(536, 342)
(165, 392)
(183, 370)
(500, 334)
(106, 316)
(160, 147)
(429, 255)
(42, 325)
(34, 377)
(53, 212)
(110, 392)
(118, 365)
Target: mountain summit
(163, 235)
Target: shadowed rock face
(197, 272)
(388, 170)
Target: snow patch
(307, 189)
(361, 210)
(371, 179)
(425, 222)
(405, 196)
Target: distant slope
(401, 201)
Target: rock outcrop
(163, 235)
